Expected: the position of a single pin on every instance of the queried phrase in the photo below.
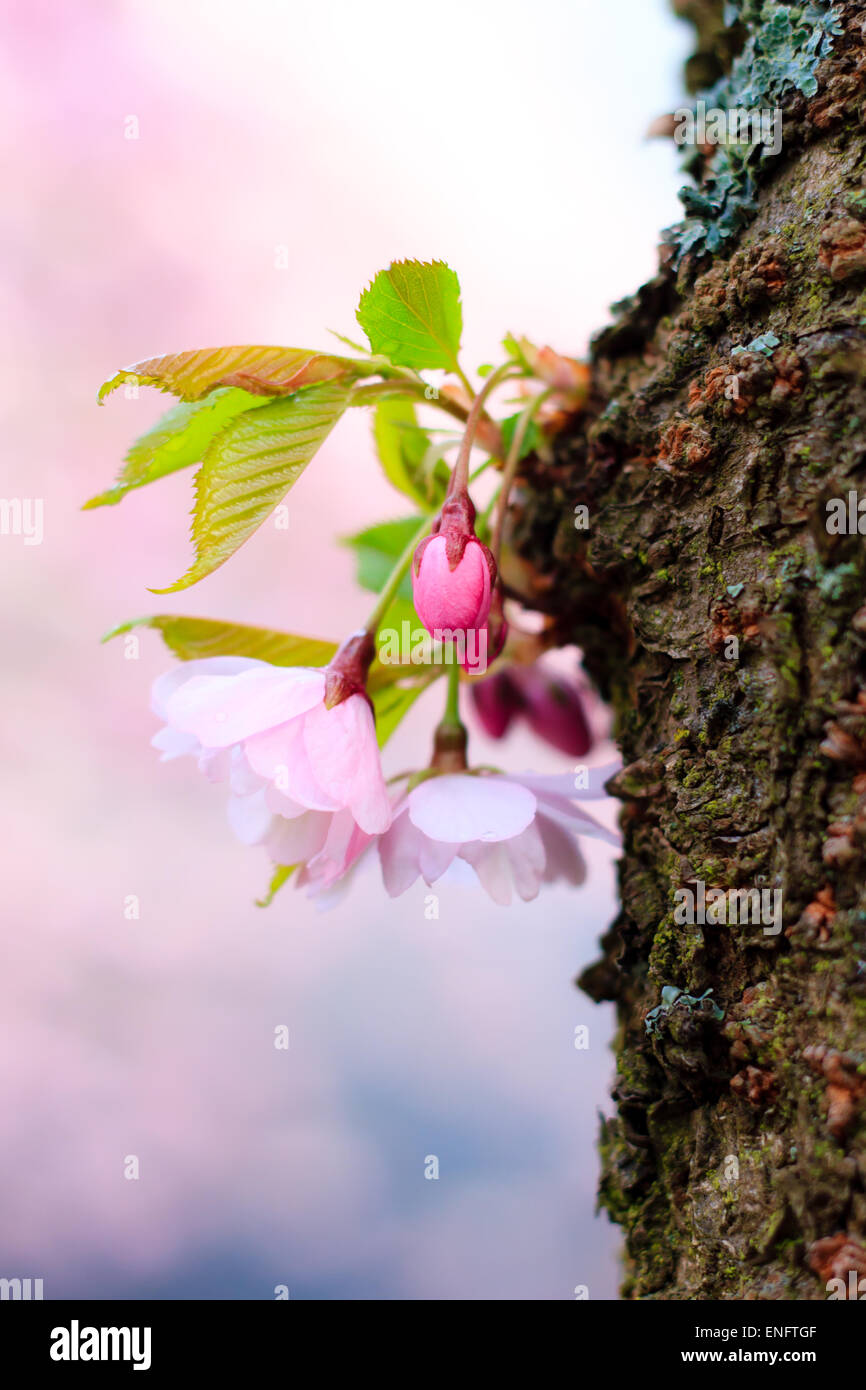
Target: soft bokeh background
(506, 138)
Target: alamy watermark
(854, 1290)
(413, 646)
(846, 516)
(736, 125)
(77, 1343)
(722, 907)
(23, 1289)
(22, 516)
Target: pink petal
(434, 858)
(250, 818)
(490, 863)
(282, 805)
(281, 756)
(327, 887)
(344, 845)
(165, 686)
(527, 859)
(296, 841)
(574, 818)
(222, 710)
(400, 855)
(564, 784)
(215, 763)
(344, 755)
(458, 808)
(562, 854)
(242, 780)
(173, 744)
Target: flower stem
(452, 699)
(450, 739)
(460, 476)
(509, 472)
(463, 379)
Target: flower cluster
(298, 738)
(298, 749)
(306, 782)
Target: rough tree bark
(736, 1163)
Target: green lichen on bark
(776, 66)
(738, 1149)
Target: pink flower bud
(453, 573)
(565, 374)
(554, 711)
(551, 705)
(496, 703)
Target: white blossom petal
(173, 744)
(564, 784)
(297, 841)
(400, 855)
(490, 863)
(563, 859)
(222, 710)
(168, 684)
(250, 818)
(459, 808)
(526, 858)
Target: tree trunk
(719, 602)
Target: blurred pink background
(507, 139)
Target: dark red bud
(496, 702)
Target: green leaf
(249, 468)
(514, 350)
(411, 313)
(191, 638)
(532, 438)
(410, 460)
(374, 392)
(392, 703)
(377, 549)
(350, 342)
(263, 371)
(178, 439)
(279, 877)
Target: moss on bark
(727, 627)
